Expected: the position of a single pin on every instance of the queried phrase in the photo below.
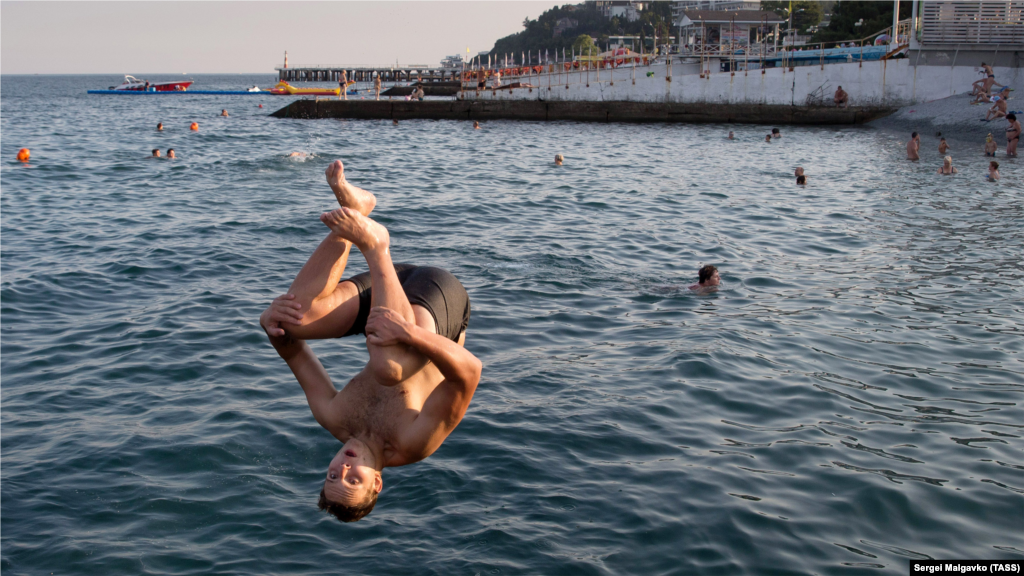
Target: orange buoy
(23, 155)
(194, 126)
(261, 105)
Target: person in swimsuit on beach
(990, 145)
(419, 380)
(376, 87)
(707, 278)
(943, 146)
(947, 166)
(998, 110)
(913, 146)
(986, 83)
(1012, 135)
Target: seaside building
(679, 5)
(727, 31)
(625, 9)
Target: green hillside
(539, 34)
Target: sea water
(848, 400)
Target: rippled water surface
(849, 400)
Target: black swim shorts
(433, 288)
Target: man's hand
(385, 327)
(283, 310)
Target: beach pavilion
(727, 31)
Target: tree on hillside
(805, 13)
(876, 17)
(584, 45)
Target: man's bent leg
(329, 307)
(389, 364)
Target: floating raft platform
(535, 110)
(186, 93)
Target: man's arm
(306, 367)
(447, 404)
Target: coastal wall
(886, 83)
(599, 111)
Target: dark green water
(849, 400)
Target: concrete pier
(603, 111)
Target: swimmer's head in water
(352, 484)
(476, 124)
(775, 131)
(159, 125)
(708, 275)
(948, 159)
(799, 171)
(989, 137)
(768, 138)
(394, 121)
(801, 179)
(156, 152)
(170, 153)
(993, 165)
(559, 159)
(731, 134)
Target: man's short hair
(913, 134)
(156, 151)
(348, 513)
(705, 273)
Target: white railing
(972, 22)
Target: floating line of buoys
(23, 155)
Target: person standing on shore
(1012, 135)
(986, 83)
(376, 87)
(914, 146)
(343, 85)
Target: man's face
(714, 280)
(350, 475)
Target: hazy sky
(200, 37)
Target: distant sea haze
(848, 400)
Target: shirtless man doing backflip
(419, 380)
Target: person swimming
(297, 155)
(476, 125)
(170, 153)
(947, 166)
(707, 278)
(394, 121)
(993, 171)
(156, 153)
(223, 112)
(159, 126)
(768, 138)
(559, 159)
(776, 133)
(732, 136)
(801, 180)
(420, 378)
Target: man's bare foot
(348, 196)
(368, 235)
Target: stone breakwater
(604, 111)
